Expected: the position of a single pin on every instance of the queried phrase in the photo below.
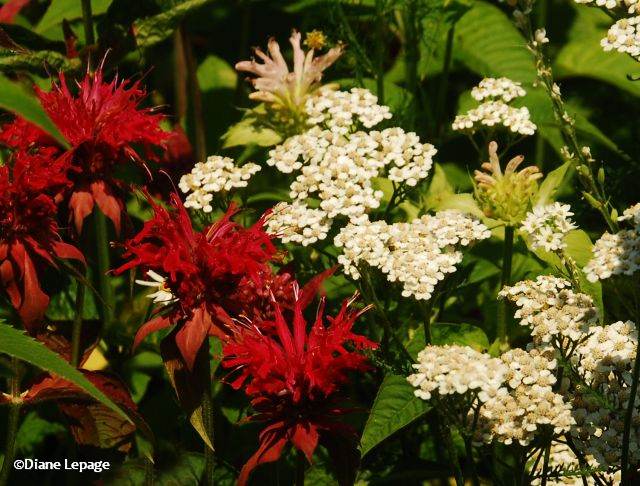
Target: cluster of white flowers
(215, 175)
(605, 361)
(456, 370)
(497, 88)
(344, 111)
(630, 6)
(418, 254)
(619, 253)
(297, 223)
(495, 94)
(337, 166)
(527, 402)
(555, 313)
(623, 36)
(547, 226)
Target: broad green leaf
(216, 73)
(70, 10)
(487, 42)
(583, 56)
(550, 185)
(463, 202)
(18, 345)
(249, 132)
(151, 30)
(13, 98)
(395, 407)
(449, 333)
(439, 189)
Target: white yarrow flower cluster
(495, 94)
(547, 226)
(623, 36)
(444, 371)
(217, 174)
(296, 223)
(345, 111)
(619, 253)
(630, 6)
(556, 314)
(418, 254)
(605, 360)
(497, 89)
(527, 402)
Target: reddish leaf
(10, 9)
(192, 334)
(35, 301)
(67, 252)
(81, 205)
(107, 202)
(272, 441)
(305, 437)
(147, 328)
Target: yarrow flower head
(205, 272)
(276, 85)
(296, 223)
(624, 36)
(546, 226)
(495, 94)
(618, 253)
(216, 175)
(508, 195)
(555, 313)
(293, 376)
(617, 6)
(29, 233)
(452, 370)
(418, 254)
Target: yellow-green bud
(505, 196)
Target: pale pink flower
(276, 84)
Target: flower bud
(505, 196)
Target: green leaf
(33, 431)
(13, 98)
(70, 10)
(216, 73)
(151, 30)
(550, 185)
(38, 61)
(583, 55)
(449, 333)
(17, 344)
(395, 407)
(487, 42)
(249, 132)
(439, 189)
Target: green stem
(427, 311)
(180, 76)
(444, 80)
(626, 435)
(196, 98)
(76, 332)
(507, 258)
(380, 50)
(104, 264)
(412, 51)
(545, 464)
(13, 420)
(87, 18)
(207, 411)
(454, 460)
(471, 465)
(301, 467)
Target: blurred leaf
(249, 132)
(216, 73)
(463, 202)
(62, 306)
(13, 98)
(550, 185)
(439, 189)
(61, 10)
(395, 407)
(449, 333)
(33, 431)
(583, 55)
(17, 344)
(155, 29)
(487, 42)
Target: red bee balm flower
(292, 377)
(198, 275)
(102, 124)
(29, 232)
